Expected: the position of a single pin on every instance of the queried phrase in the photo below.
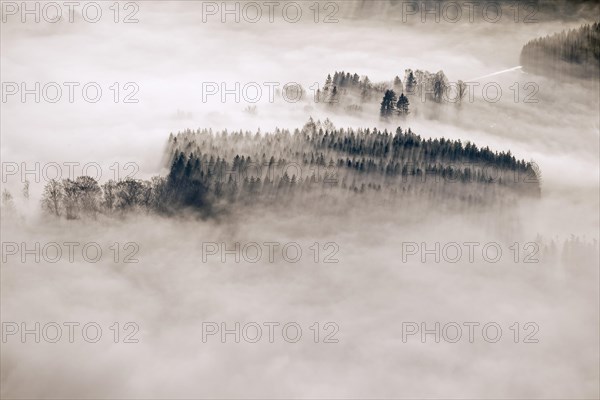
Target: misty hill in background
(572, 53)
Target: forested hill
(250, 167)
(318, 168)
(572, 53)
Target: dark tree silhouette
(402, 105)
(388, 103)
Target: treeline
(209, 172)
(86, 197)
(572, 53)
(212, 168)
(351, 91)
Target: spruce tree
(402, 105)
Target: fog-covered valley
(368, 268)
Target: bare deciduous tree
(52, 197)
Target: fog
(370, 287)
